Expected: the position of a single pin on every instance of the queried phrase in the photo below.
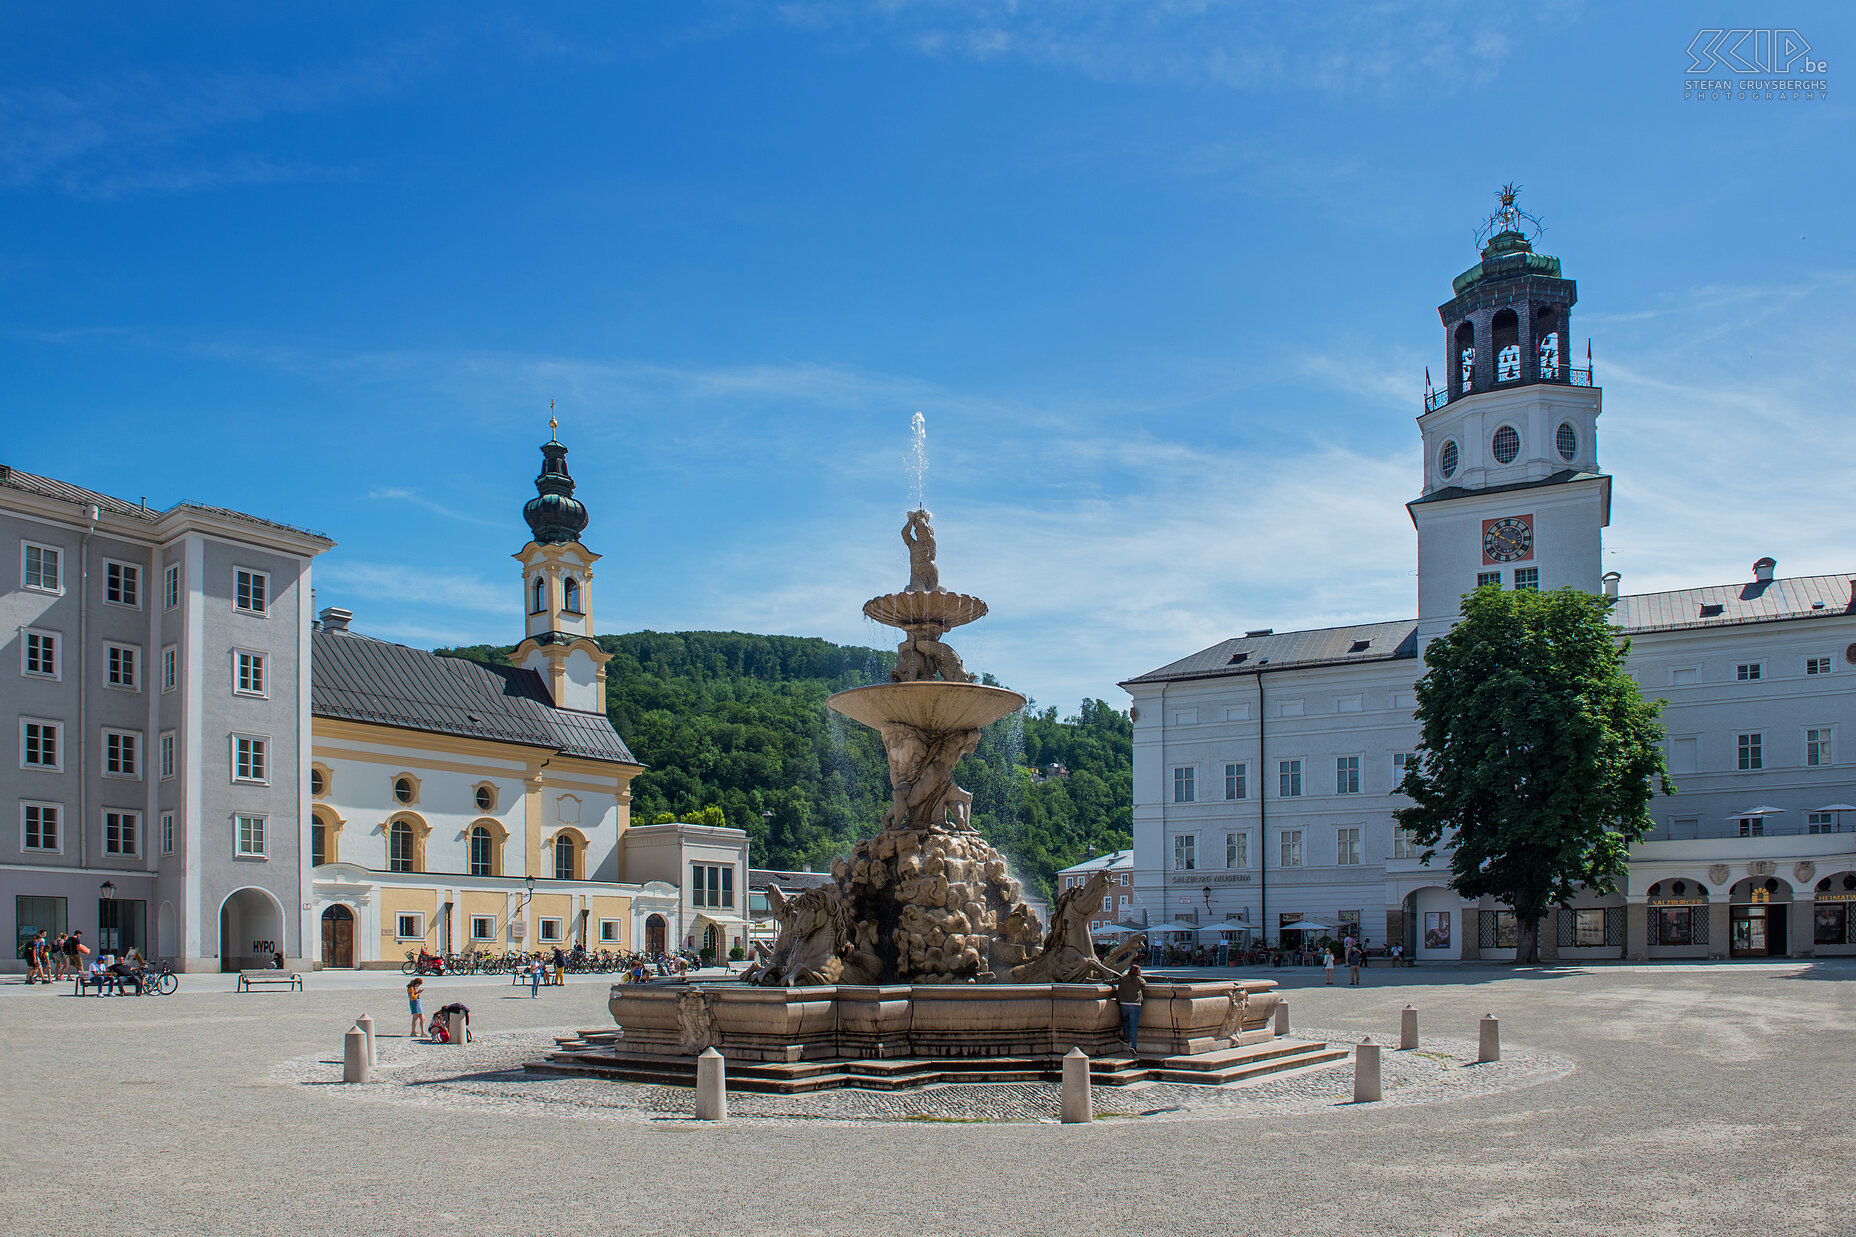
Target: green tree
(1538, 756)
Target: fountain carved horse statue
(1068, 955)
(815, 944)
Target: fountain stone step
(1239, 1064)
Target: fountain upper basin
(915, 608)
(931, 706)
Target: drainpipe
(91, 516)
(1263, 815)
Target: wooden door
(337, 937)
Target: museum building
(1264, 766)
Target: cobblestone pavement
(1699, 1099)
(488, 1074)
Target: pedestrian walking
(534, 978)
(58, 959)
(74, 951)
(35, 958)
(1327, 961)
(1130, 992)
(560, 965)
(415, 1001)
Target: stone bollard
(1075, 1105)
(1366, 1071)
(1489, 1041)
(460, 1030)
(366, 1023)
(1282, 1017)
(711, 1086)
(354, 1056)
(1408, 1028)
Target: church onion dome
(554, 515)
(1507, 255)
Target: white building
(1264, 765)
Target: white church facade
(1264, 766)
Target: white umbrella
(1114, 929)
(1836, 807)
(1761, 810)
(1176, 925)
(1308, 925)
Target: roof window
(1712, 611)
(1360, 646)
(1238, 659)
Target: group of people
(57, 958)
(1351, 953)
(439, 1029)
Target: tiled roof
(1324, 646)
(760, 878)
(1115, 858)
(78, 496)
(1726, 605)
(355, 678)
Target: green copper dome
(554, 515)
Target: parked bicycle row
(573, 961)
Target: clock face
(1508, 539)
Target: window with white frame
(122, 584)
(1817, 665)
(251, 591)
(166, 748)
(170, 586)
(167, 833)
(120, 668)
(410, 925)
(1347, 846)
(248, 758)
(1237, 781)
(1752, 826)
(1749, 748)
(1108, 902)
(1288, 778)
(611, 931)
(1399, 761)
(247, 673)
(1817, 747)
(1346, 775)
(39, 654)
(38, 826)
(1185, 788)
(248, 836)
(1486, 578)
(122, 833)
(483, 927)
(1291, 848)
(551, 930)
(39, 567)
(1527, 579)
(1821, 822)
(712, 884)
(1747, 671)
(1237, 849)
(1403, 847)
(1185, 852)
(122, 753)
(41, 745)
(170, 668)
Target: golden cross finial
(553, 425)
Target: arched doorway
(712, 940)
(656, 935)
(251, 930)
(167, 932)
(338, 937)
(1757, 918)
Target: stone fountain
(920, 962)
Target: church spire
(554, 515)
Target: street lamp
(109, 890)
(1207, 891)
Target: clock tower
(1513, 494)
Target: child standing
(415, 994)
(1327, 960)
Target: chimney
(1611, 584)
(1762, 570)
(334, 618)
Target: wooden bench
(289, 979)
(81, 981)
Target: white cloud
(395, 588)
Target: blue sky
(1162, 277)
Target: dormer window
(570, 593)
(539, 603)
